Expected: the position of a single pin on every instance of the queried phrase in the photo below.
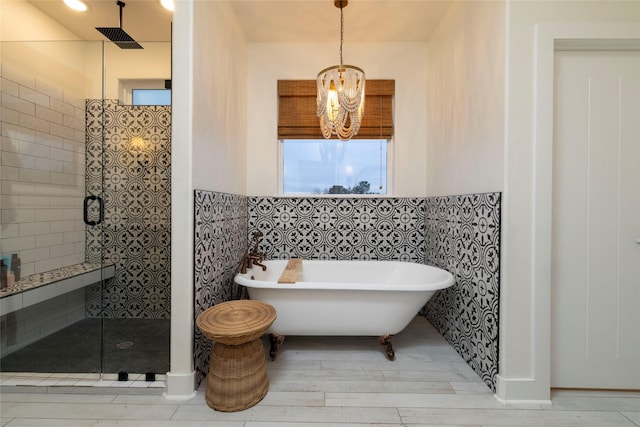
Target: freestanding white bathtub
(365, 298)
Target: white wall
(465, 93)
(524, 316)
(403, 62)
(16, 14)
(151, 63)
(208, 151)
(220, 101)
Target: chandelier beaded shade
(340, 99)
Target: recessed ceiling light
(76, 5)
(167, 4)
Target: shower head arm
(121, 4)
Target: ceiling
(266, 20)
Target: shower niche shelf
(43, 286)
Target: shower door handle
(85, 210)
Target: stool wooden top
(236, 322)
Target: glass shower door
(137, 202)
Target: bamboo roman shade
(297, 110)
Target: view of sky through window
(358, 166)
(151, 97)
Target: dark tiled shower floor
(77, 348)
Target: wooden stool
(237, 377)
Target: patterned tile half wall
(220, 237)
(344, 228)
(463, 237)
(136, 187)
(458, 233)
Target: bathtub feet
(276, 341)
(386, 341)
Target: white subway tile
(10, 173)
(49, 114)
(66, 202)
(28, 268)
(74, 123)
(55, 191)
(23, 214)
(73, 236)
(49, 89)
(74, 97)
(48, 264)
(15, 244)
(31, 122)
(73, 168)
(80, 112)
(62, 178)
(49, 215)
(74, 145)
(34, 175)
(18, 104)
(9, 144)
(76, 258)
(62, 154)
(62, 226)
(32, 95)
(79, 135)
(48, 139)
(17, 132)
(40, 294)
(10, 230)
(35, 149)
(65, 250)
(48, 165)
(74, 213)
(62, 131)
(18, 160)
(34, 202)
(10, 116)
(61, 106)
(8, 305)
(34, 228)
(19, 188)
(31, 255)
(48, 240)
(9, 87)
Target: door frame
(550, 38)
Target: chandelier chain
(341, 31)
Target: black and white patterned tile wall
(136, 188)
(458, 233)
(463, 237)
(220, 239)
(340, 228)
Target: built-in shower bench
(50, 284)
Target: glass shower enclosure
(85, 210)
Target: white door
(595, 308)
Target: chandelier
(340, 99)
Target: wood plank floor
(334, 382)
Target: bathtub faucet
(253, 256)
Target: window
(151, 97)
(144, 92)
(328, 166)
(310, 164)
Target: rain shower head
(118, 35)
